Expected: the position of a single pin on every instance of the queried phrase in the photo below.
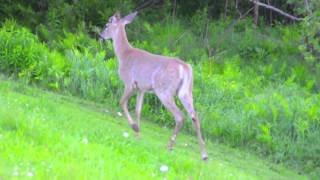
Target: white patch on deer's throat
(116, 32)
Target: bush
(20, 51)
(276, 120)
(23, 55)
(93, 78)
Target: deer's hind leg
(169, 103)
(187, 102)
(139, 106)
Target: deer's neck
(121, 44)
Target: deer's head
(114, 23)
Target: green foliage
(23, 55)
(20, 50)
(92, 77)
(310, 49)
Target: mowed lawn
(49, 136)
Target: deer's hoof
(204, 156)
(135, 128)
(137, 135)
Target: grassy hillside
(45, 135)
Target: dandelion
(125, 134)
(101, 161)
(30, 174)
(49, 168)
(15, 173)
(85, 141)
(119, 114)
(164, 168)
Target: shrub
(20, 51)
(93, 78)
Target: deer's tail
(185, 89)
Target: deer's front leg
(128, 91)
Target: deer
(142, 71)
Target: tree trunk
(270, 15)
(256, 12)
(237, 8)
(225, 9)
(174, 10)
(307, 6)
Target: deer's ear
(129, 18)
(115, 18)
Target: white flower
(153, 174)
(164, 168)
(101, 161)
(119, 114)
(30, 174)
(49, 168)
(15, 173)
(125, 134)
(186, 144)
(85, 140)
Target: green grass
(44, 134)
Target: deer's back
(146, 71)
